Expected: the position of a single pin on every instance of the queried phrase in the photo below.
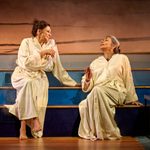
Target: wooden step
(64, 121)
(64, 95)
(141, 76)
(77, 106)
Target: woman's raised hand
(46, 53)
(88, 74)
(51, 52)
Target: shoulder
(51, 42)
(122, 56)
(124, 59)
(26, 40)
(95, 61)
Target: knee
(97, 90)
(83, 106)
(28, 82)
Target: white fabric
(30, 80)
(111, 84)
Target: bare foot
(23, 135)
(36, 125)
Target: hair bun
(36, 21)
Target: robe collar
(103, 58)
(37, 44)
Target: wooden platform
(70, 143)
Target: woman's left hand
(51, 52)
(78, 85)
(137, 103)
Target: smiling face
(44, 34)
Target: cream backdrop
(78, 25)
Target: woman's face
(106, 44)
(45, 34)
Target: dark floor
(145, 141)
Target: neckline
(107, 59)
(38, 44)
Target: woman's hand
(51, 52)
(78, 85)
(48, 52)
(137, 103)
(88, 74)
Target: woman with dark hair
(109, 81)
(36, 55)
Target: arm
(87, 82)
(59, 72)
(128, 82)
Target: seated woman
(110, 83)
(36, 55)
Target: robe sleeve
(59, 72)
(27, 60)
(128, 81)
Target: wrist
(87, 81)
(41, 54)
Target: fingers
(78, 85)
(87, 70)
(50, 52)
(88, 73)
(137, 103)
(46, 53)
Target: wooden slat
(55, 106)
(15, 52)
(82, 46)
(76, 106)
(78, 70)
(50, 88)
(66, 88)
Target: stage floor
(73, 143)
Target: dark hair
(38, 24)
(116, 49)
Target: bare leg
(36, 126)
(23, 135)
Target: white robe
(111, 84)
(30, 80)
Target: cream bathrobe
(30, 80)
(111, 84)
